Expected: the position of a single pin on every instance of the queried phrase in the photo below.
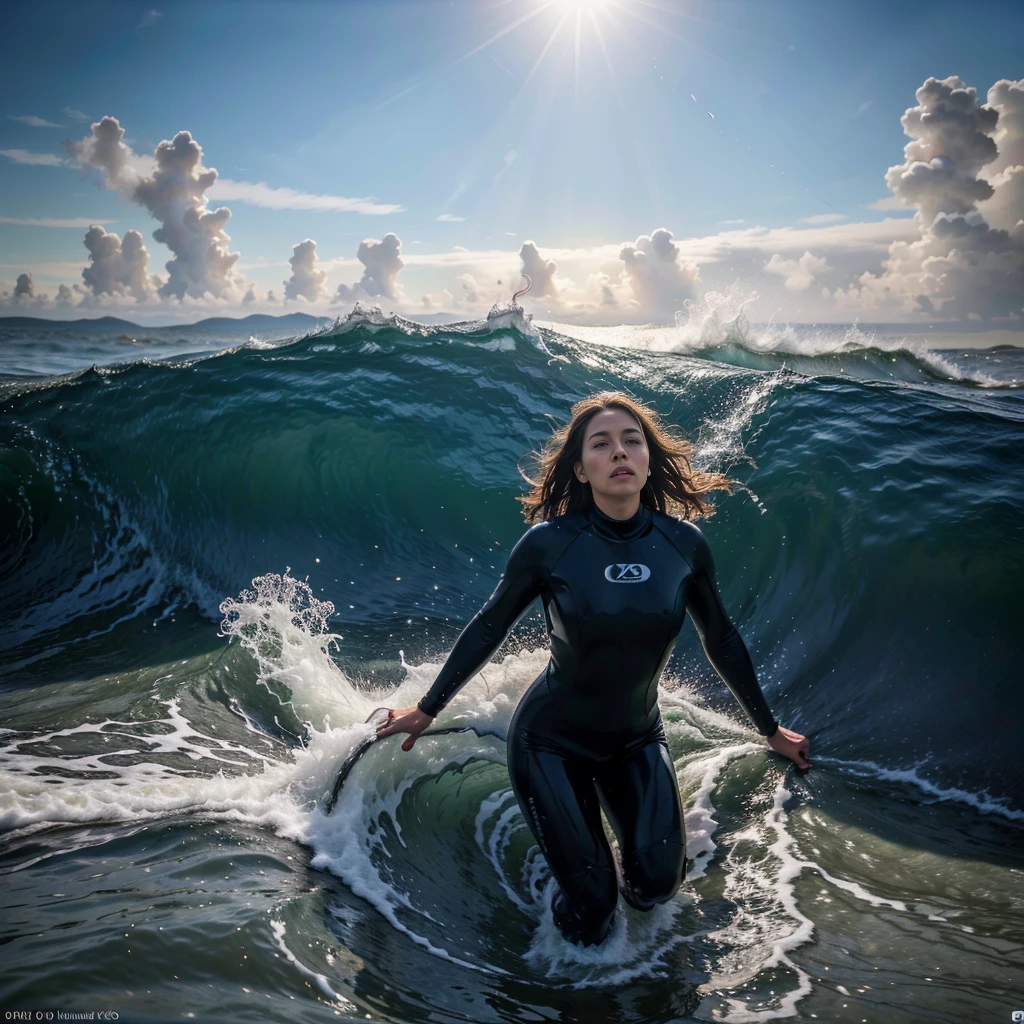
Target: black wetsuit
(588, 731)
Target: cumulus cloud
(659, 280)
(959, 265)
(951, 140)
(799, 274)
(540, 271)
(66, 296)
(823, 218)
(24, 294)
(23, 156)
(174, 192)
(1005, 208)
(307, 280)
(382, 263)
(118, 267)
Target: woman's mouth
(622, 472)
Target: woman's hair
(674, 486)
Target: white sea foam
(719, 319)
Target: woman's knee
(653, 873)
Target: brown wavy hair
(674, 486)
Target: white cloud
(54, 222)
(23, 156)
(660, 282)
(1006, 173)
(76, 115)
(799, 274)
(540, 271)
(958, 266)
(149, 19)
(449, 218)
(24, 295)
(261, 194)
(382, 263)
(67, 297)
(118, 267)
(175, 195)
(307, 280)
(887, 203)
(823, 218)
(951, 140)
(104, 150)
(33, 122)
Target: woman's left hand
(792, 745)
(410, 720)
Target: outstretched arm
(729, 655)
(486, 631)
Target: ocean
(219, 554)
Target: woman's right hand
(792, 745)
(410, 720)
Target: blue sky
(581, 126)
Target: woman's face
(616, 460)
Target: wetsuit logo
(627, 572)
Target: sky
(638, 159)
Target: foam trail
(340, 1002)
(979, 801)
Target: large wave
(871, 559)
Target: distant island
(112, 324)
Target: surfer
(616, 573)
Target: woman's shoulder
(545, 541)
(684, 534)
(555, 529)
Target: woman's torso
(614, 600)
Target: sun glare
(588, 26)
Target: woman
(616, 574)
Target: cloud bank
(961, 254)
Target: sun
(597, 21)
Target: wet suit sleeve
(518, 586)
(722, 642)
